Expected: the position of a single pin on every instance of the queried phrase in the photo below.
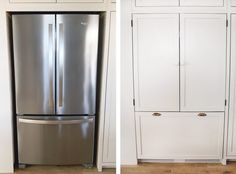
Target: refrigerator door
(77, 52)
(34, 62)
(57, 141)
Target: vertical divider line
(55, 58)
(179, 22)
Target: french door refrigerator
(55, 69)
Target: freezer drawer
(58, 141)
(177, 135)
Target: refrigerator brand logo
(84, 23)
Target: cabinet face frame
(167, 60)
(202, 91)
(109, 148)
(231, 141)
(80, 1)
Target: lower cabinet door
(58, 141)
(179, 135)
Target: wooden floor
(148, 168)
(61, 170)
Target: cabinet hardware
(225, 102)
(227, 23)
(132, 23)
(202, 114)
(156, 114)
(134, 102)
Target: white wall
(128, 142)
(6, 144)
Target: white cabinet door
(157, 2)
(203, 62)
(156, 62)
(179, 136)
(233, 2)
(32, 1)
(232, 104)
(88, 1)
(209, 3)
(109, 149)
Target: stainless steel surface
(78, 49)
(56, 144)
(34, 44)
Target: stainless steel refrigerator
(55, 69)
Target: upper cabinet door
(157, 2)
(156, 62)
(80, 1)
(32, 1)
(210, 3)
(203, 62)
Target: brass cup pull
(156, 114)
(202, 114)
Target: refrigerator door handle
(51, 68)
(61, 57)
(54, 122)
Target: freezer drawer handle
(54, 122)
(156, 114)
(202, 114)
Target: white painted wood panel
(203, 62)
(231, 150)
(179, 136)
(209, 3)
(157, 2)
(233, 3)
(31, 1)
(84, 1)
(109, 148)
(156, 62)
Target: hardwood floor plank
(157, 168)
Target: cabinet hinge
(227, 23)
(225, 102)
(134, 102)
(132, 23)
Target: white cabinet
(211, 3)
(32, 1)
(62, 1)
(109, 145)
(203, 62)
(156, 62)
(88, 1)
(231, 150)
(179, 135)
(156, 2)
